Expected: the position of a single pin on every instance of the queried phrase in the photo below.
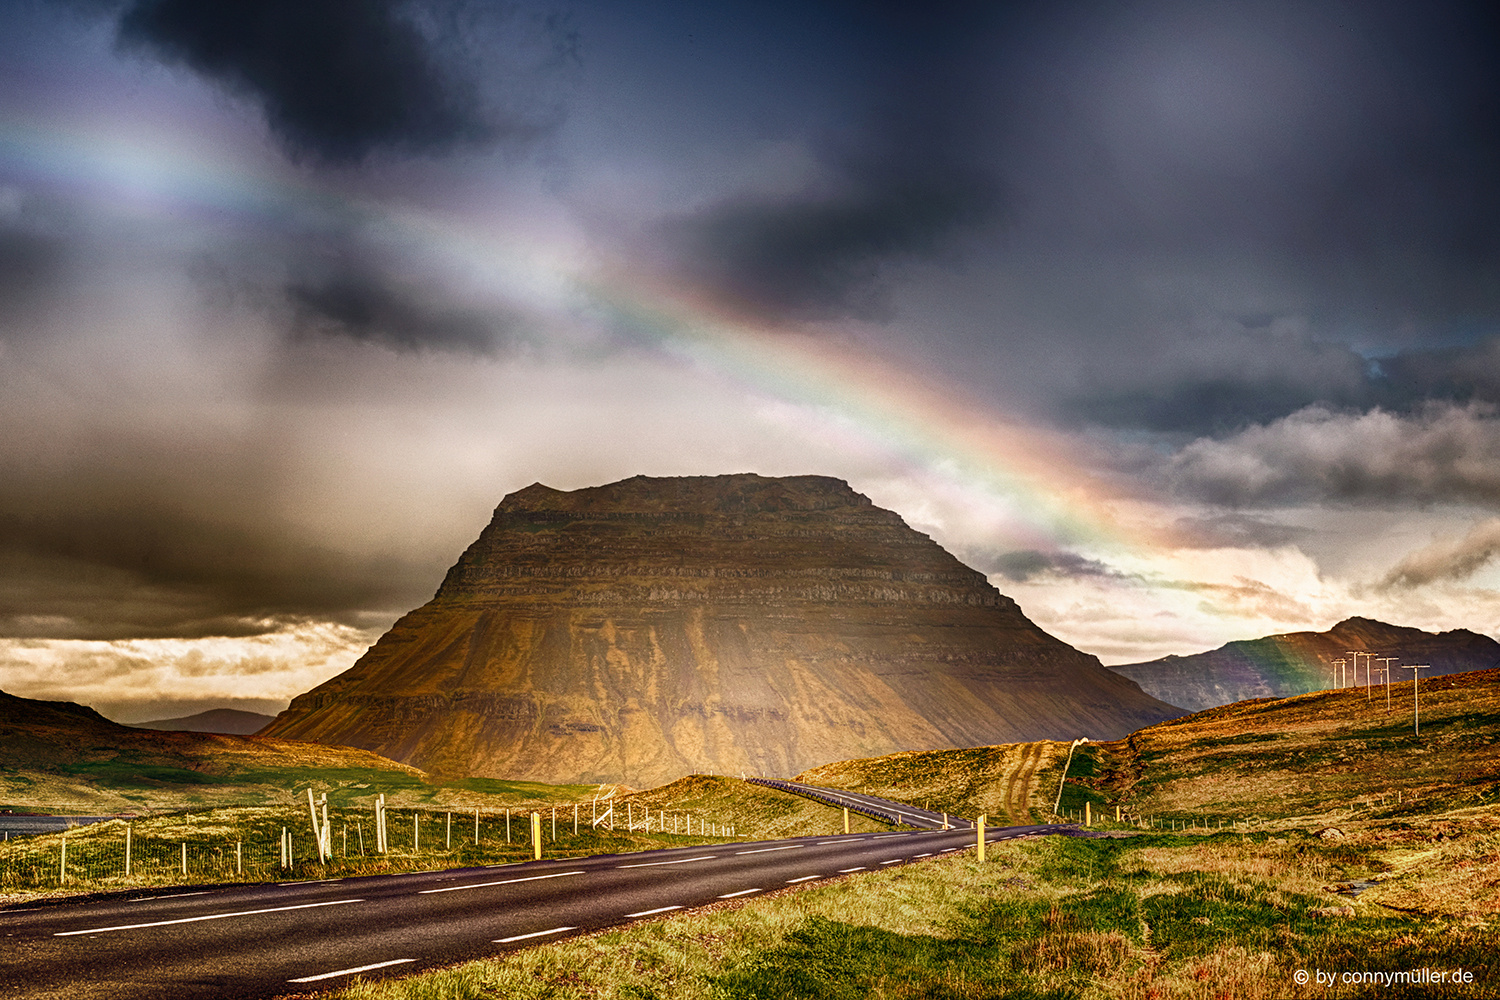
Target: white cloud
(1441, 454)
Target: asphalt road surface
(869, 805)
(270, 940)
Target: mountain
(653, 628)
(61, 756)
(1278, 666)
(231, 721)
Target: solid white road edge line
(523, 937)
(350, 972)
(211, 916)
(742, 892)
(177, 895)
(311, 881)
(804, 878)
(763, 850)
(508, 881)
(679, 861)
(659, 909)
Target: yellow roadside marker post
(536, 835)
(980, 825)
(846, 819)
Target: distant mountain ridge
(232, 721)
(57, 754)
(1278, 666)
(657, 627)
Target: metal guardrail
(898, 814)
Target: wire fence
(263, 844)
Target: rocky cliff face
(653, 628)
(1279, 666)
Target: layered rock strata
(652, 628)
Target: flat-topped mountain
(653, 628)
(1279, 666)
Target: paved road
(269, 940)
(12, 825)
(892, 812)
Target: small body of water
(27, 826)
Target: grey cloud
(1448, 559)
(1441, 453)
(337, 79)
(137, 570)
(1236, 530)
(370, 308)
(821, 255)
(1024, 564)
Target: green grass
(242, 844)
(1135, 919)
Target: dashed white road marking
(312, 881)
(523, 937)
(846, 871)
(804, 878)
(742, 892)
(350, 972)
(507, 881)
(764, 850)
(211, 916)
(847, 840)
(679, 861)
(928, 855)
(659, 909)
(893, 861)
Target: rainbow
(1038, 484)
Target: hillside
(1279, 666)
(68, 758)
(232, 721)
(655, 628)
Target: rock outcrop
(652, 628)
(1279, 666)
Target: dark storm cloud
(365, 306)
(902, 178)
(30, 265)
(821, 256)
(136, 569)
(338, 79)
(1022, 565)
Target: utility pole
(1388, 660)
(1354, 653)
(1368, 658)
(1338, 673)
(1416, 714)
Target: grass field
(428, 826)
(1141, 917)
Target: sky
(1181, 321)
